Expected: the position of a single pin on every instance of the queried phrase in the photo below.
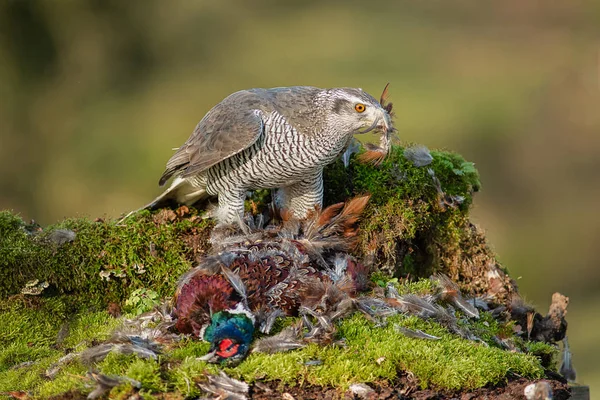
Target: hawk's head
(358, 112)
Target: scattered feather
(418, 155)
(62, 236)
(361, 390)
(340, 264)
(480, 303)
(123, 344)
(105, 383)
(236, 282)
(313, 363)
(530, 319)
(373, 307)
(505, 344)
(345, 307)
(225, 387)
(415, 334)
(374, 154)
(416, 305)
(287, 339)
(444, 200)
(353, 148)
(449, 292)
(17, 394)
(267, 323)
(24, 364)
(63, 333)
(538, 391)
(323, 320)
(391, 291)
(566, 367)
(53, 369)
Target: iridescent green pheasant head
(230, 334)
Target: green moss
(397, 177)
(29, 334)
(140, 253)
(185, 376)
(547, 354)
(147, 372)
(72, 377)
(421, 287)
(189, 348)
(32, 322)
(376, 353)
(408, 207)
(21, 378)
(87, 328)
(373, 353)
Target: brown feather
(383, 100)
(328, 214)
(345, 222)
(356, 206)
(286, 215)
(374, 157)
(384, 95)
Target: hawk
(279, 138)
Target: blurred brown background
(94, 94)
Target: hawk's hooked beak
(381, 124)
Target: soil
(404, 389)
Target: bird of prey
(279, 138)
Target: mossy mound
(416, 224)
(417, 221)
(40, 331)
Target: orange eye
(360, 107)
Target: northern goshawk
(269, 138)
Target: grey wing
(229, 128)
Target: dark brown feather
(383, 100)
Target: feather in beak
(376, 154)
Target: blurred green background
(94, 94)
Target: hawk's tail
(183, 191)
